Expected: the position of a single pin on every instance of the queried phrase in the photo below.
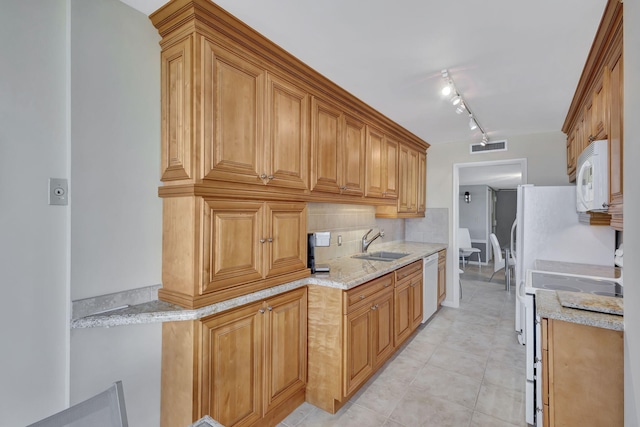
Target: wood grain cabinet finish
(350, 335)
(442, 276)
(407, 301)
(582, 375)
(596, 111)
(236, 114)
(243, 367)
(381, 165)
(337, 150)
(236, 247)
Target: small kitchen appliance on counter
(318, 239)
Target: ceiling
(516, 63)
(498, 177)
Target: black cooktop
(559, 282)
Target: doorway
(496, 175)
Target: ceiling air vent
(491, 146)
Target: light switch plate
(58, 191)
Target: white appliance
(542, 280)
(430, 286)
(547, 228)
(592, 178)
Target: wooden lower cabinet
(350, 335)
(582, 375)
(407, 301)
(244, 367)
(442, 275)
(353, 333)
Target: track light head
(473, 125)
(461, 108)
(456, 99)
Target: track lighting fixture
(450, 91)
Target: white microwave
(592, 178)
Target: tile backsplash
(351, 222)
(433, 228)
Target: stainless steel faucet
(366, 243)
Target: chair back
(102, 410)
(464, 238)
(498, 260)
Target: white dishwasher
(430, 284)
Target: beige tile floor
(464, 368)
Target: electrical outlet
(339, 239)
(58, 191)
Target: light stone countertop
(576, 269)
(548, 305)
(346, 273)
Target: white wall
(33, 235)
(116, 215)
(631, 209)
(546, 163)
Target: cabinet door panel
(232, 251)
(442, 276)
(416, 301)
(326, 158)
(383, 329)
(375, 157)
(286, 346)
(353, 153)
(616, 133)
(233, 109)
(286, 242)
(176, 63)
(358, 355)
(422, 182)
(402, 306)
(232, 366)
(391, 169)
(287, 134)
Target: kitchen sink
(381, 256)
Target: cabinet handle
(386, 285)
(344, 188)
(361, 296)
(270, 308)
(261, 311)
(270, 177)
(263, 176)
(262, 240)
(375, 307)
(591, 138)
(270, 240)
(605, 205)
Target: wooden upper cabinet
(596, 110)
(233, 116)
(337, 150)
(353, 153)
(616, 143)
(408, 166)
(286, 135)
(326, 147)
(381, 165)
(176, 63)
(422, 183)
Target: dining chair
(106, 409)
(465, 248)
(498, 260)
